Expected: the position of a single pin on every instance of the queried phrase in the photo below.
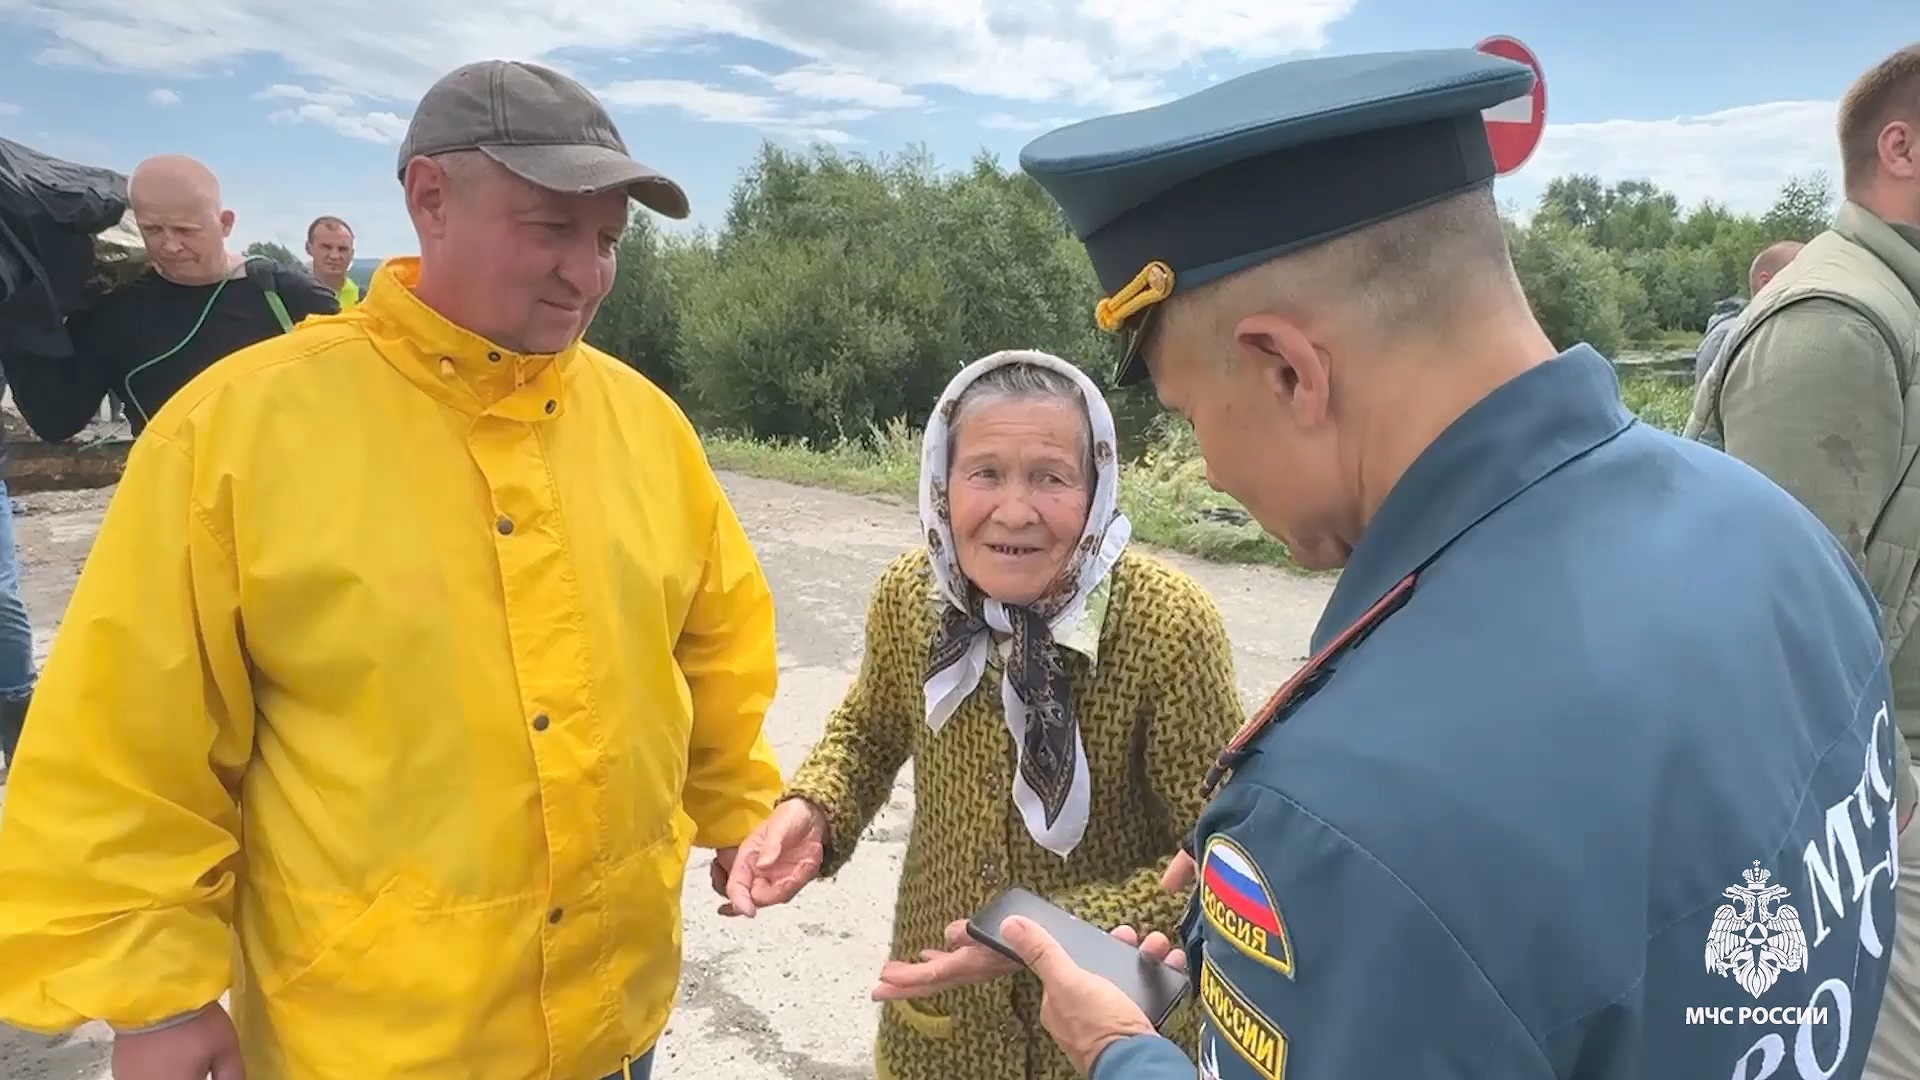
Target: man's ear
(1288, 364)
(429, 192)
(1899, 150)
(226, 223)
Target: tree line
(843, 291)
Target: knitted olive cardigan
(1153, 710)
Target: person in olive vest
(1819, 394)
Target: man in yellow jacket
(417, 649)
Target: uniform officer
(1549, 800)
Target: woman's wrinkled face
(1018, 490)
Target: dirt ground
(783, 997)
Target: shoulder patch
(1240, 907)
(1232, 1019)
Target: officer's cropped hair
(1888, 93)
(1421, 269)
(327, 219)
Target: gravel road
(783, 997)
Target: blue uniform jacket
(1583, 806)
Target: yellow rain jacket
(415, 667)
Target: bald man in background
(1771, 260)
(1713, 346)
(196, 303)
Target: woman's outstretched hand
(964, 962)
(778, 860)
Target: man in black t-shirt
(196, 303)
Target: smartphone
(1154, 987)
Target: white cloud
(1099, 53)
(719, 106)
(160, 95)
(285, 92)
(826, 82)
(1009, 122)
(334, 110)
(8, 108)
(1738, 157)
(1026, 59)
(857, 56)
(694, 99)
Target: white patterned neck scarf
(1050, 784)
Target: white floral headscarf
(1050, 784)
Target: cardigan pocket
(922, 1020)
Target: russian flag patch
(1238, 905)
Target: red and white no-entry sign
(1514, 128)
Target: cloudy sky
(299, 107)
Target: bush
(1579, 292)
(847, 294)
(639, 320)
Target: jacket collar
(1896, 245)
(453, 364)
(1514, 437)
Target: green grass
(1662, 401)
(1163, 492)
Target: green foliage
(810, 334)
(277, 252)
(1579, 292)
(845, 293)
(1661, 400)
(1619, 266)
(1802, 211)
(639, 320)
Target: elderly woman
(1061, 698)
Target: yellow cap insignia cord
(1151, 285)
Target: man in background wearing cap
(447, 608)
(1539, 766)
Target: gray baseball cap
(541, 126)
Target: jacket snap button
(494, 356)
(555, 915)
(550, 406)
(505, 525)
(540, 722)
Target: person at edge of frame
(379, 714)
(1549, 801)
(1815, 389)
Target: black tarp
(50, 211)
